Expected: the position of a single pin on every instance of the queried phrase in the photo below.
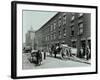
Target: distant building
(65, 27)
(30, 35)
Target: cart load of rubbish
(73, 50)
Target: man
(81, 52)
(39, 57)
(44, 55)
(52, 50)
(87, 52)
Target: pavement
(82, 60)
(74, 58)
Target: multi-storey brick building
(65, 27)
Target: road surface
(51, 62)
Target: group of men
(55, 49)
(85, 53)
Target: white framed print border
(65, 36)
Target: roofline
(48, 21)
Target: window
(80, 28)
(51, 36)
(74, 44)
(59, 34)
(72, 30)
(51, 27)
(59, 22)
(54, 25)
(54, 36)
(64, 30)
(80, 20)
(48, 37)
(73, 18)
(72, 33)
(80, 14)
(64, 19)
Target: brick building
(65, 27)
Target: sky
(35, 19)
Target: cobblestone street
(52, 62)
